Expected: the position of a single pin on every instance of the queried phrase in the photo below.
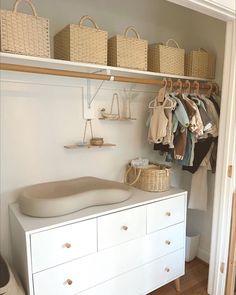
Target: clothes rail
(76, 74)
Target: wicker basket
(200, 63)
(80, 43)
(166, 59)
(23, 33)
(127, 52)
(153, 178)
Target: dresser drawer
(59, 245)
(165, 213)
(165, 241)
(120, 227)
(144, 279)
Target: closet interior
(44, 115)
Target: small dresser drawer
(165, 213)
(59, 245)
(120, 227)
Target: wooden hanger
(188, 88)
(161, 94)
(170, 82)
(196, 87)
(209, 91)
(179, 87)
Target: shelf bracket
(88, 98)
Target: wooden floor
(193, 283)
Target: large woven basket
(153, 178)
(128, 52)
(200, 63)
(166, 59)
(23, 33)
(81, 43)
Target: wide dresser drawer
(116, 228)
(144, 279)
(165, 213)
(62, 244)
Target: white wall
(39, 114)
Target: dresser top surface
(138, 198)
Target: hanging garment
(188, 152)
(213, 100)
(199, 188)
(158, 123)
(180, 142)
(180, 112)
(169, 138)
(196, 124)
(212, 113)
(201, 149)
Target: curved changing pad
(63, 197)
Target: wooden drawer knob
(67, 245)
(125, 227)
(167, 269)
(168, 242)
(69, 282)
(168, 214)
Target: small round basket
(98, 141)
(152, 178)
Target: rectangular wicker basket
(81, 43)
(200, 63)
(166, 59)
(23, 33)
(153, 178)
(128, 52)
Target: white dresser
(130, 248)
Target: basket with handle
(77, 42)
(128, 52)
(151, 178)
(24, 33)
(200, 63)
(165, 58)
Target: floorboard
(194, 282)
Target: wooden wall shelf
(77, 146)
(119, 119)
(50, 66)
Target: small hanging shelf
(118, 119)
(77, 146)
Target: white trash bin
(192, 243)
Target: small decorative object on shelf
(93, 142)
(97, 141)
(116, 116)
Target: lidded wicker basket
(200, 63)
(128, 52)
(24, 33)
(166, 59)
(151, 178)
(81, 43)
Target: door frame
(224, 184)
